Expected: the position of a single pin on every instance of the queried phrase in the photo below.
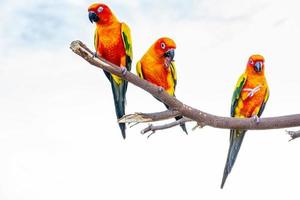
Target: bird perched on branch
(158, 67)
(249, 100)
(112, 42)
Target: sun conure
(112, 42)
(249, 100)
(158, 67)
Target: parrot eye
(100, 9)
(163, 45)
(251, 62)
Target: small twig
(293, 134)
(198, 125)
(134, 124)
(155, 128)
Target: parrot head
(255, 64)
(100, 14)
(164, 48)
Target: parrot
(112, 41)
(158, 67)
(248, 101)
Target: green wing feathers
(126, 36)
(236, 136)
(174, 73)
(236, 94)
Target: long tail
(236, 139)
(183, 127)
(119, 93)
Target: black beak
(170, 54)
(258, 66)
(93, 17)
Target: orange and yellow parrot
(158, 67)
(112, 42)
(249, 100)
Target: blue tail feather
(236, 139)
(119, 93)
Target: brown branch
(202, 118)
(286, 121)
(148, 117)
(154, 128)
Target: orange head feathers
(101, 14)
(255, 65)
(163, 50)
(163, 45)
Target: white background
(58, 133)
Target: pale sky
(58, 133)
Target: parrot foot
(256, 119)
(160, 89)
(123, 70)
(95, 55)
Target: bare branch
(148, 117)
(202, 118)
(154, 128)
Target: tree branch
(202, 118)
(154, 128)
(148, 117)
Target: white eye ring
(100, 9)
(163, 45)
(251, 62)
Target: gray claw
(256, 119)
(160, 89)
(123, 70)
(95, 55)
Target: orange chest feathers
(157, 74)
(251, 98)
(109, 43)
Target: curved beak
(93, 17)
(170, 54)
(258, 66)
